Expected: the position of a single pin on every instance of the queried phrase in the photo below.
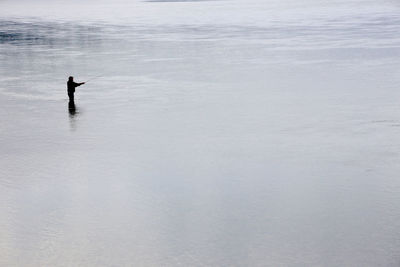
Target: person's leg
(71, 97)
(71, 106)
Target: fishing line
(95, 77)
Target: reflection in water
(72, 108)
(72, 115)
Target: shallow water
(220, 133)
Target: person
(71, 88)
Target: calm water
(221, 133)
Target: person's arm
(78, 84)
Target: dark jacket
(71, 86)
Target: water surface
(220, 133)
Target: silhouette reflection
(72, 115)
(71, 108)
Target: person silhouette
(71, 85)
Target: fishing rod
(95, 77)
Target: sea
(208, 133)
